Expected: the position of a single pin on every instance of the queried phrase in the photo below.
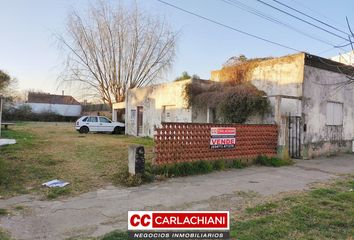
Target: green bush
(193, 168)
(272, 161)
(125, 178)
(219, 165)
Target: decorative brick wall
(187, 142)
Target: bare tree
(112, 49)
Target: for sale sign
(222, 137)
(178, 224)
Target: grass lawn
(45, 151)
(325, 212)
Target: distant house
(60, 104)
(345, 58)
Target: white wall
(153, 99)
(61, 109)
(321, 137)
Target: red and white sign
(178, 220)
(223, 131)
(222, 141)
(222, 137)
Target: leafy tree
(185, 76)
(232, 61)
(5, 81)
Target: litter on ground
(55, 183)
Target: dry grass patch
(46, 151)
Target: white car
(87, 124)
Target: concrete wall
(321, 138)
(154, 100)
(278, 76)
(61, 109)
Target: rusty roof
(51, 99)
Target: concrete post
(277, 111)
(136, 159)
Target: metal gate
(294, 123)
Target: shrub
(272, 161)
(126, 179)
(219, 165)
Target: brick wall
(186, 142)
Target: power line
(313, 18)
(272, 19)
(300, 19)
(318, 13)
(229, 27)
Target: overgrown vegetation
(231, 103)
(273, 161)
(174, 170)
(198, 167)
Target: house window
(132, 116)
(167, 113)
(334, 114)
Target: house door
(294, 123)
(139, 121)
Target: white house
(345, 58)
(60, 104)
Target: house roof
(51, 99)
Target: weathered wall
(278, 76)
(153, 99)
(318, 89)
(61, 109)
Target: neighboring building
(345, 58)
(61, 104)
(310, 101)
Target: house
(345, 58)
(147, 107)
(60, 104)
(309, 97)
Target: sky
(30, 52)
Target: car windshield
(104, 120)
(84, 119)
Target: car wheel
(118, 130)
(84, 129)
